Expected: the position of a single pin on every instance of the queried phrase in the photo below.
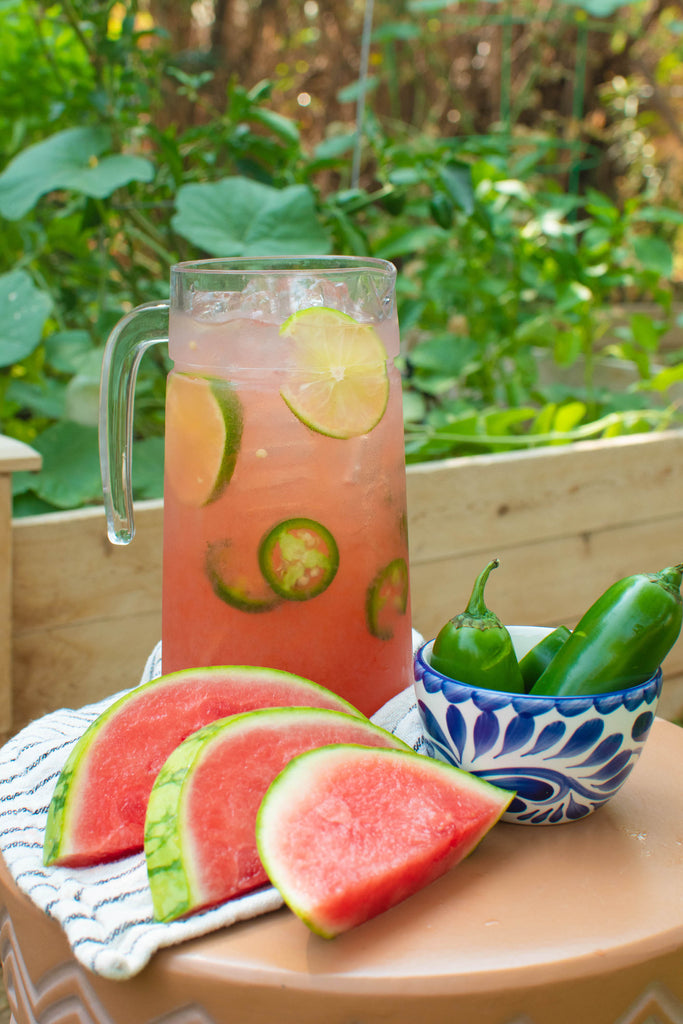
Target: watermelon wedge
(200, 840)
(97, 812)
(401, 820)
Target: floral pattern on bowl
(564, 756)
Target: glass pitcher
(285, 528)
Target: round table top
(587, 908)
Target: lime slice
(299, 558)
(232, 581)
(339, 385)
(387, 599)
(203, 435)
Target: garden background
(521, 162)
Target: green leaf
(666, 378)
(239, 217)
(654, 254)
(659, 215)
(598, 8)
(414, 406)
(281, 126)
(456, 178)
(569, 416)
(83, 390)
(148, 468)
(645, 331)
(23, 312)
(395, 30)
(41, 399)
(67, 160)
(335, 146)
(350, 93)
(408, 242)
(446, 354)
(71, 466)
(66, 350)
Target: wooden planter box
(79, 616)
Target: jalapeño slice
(387, 598)
(235, 584)
(299, 558)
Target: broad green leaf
(70, 476)
(71, 159)
(239, 217)
(23, 312)
(41, 399)
(654, 254)
(83, 390)
(66, 350)
(448, 354)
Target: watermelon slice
(401, 820)
(200, 839)
(97, 812)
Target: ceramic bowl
(563, 756)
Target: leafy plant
(502, 272)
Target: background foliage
(519, 161)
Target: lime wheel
(338, 384)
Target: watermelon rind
(171, 850)
(71, 790)
(295, 808)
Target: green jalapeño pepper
(621, 640)
(475, 648)
(539, 657)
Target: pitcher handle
(143, 327)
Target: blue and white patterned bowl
(564, 756)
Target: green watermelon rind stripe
(168, 860)
(168, 853)
(65, 799)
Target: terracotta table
(557, 925)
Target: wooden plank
(565, 524)
(66, 569)
(476, 502)
(70, 666)
(5, 603)
(86, 613)
(14, 456)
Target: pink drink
(353, 634)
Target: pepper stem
(477, 605)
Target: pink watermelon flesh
(111, 784)
(221, 796)
(401, 820)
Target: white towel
(106, 910)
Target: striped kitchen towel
(106, 910)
